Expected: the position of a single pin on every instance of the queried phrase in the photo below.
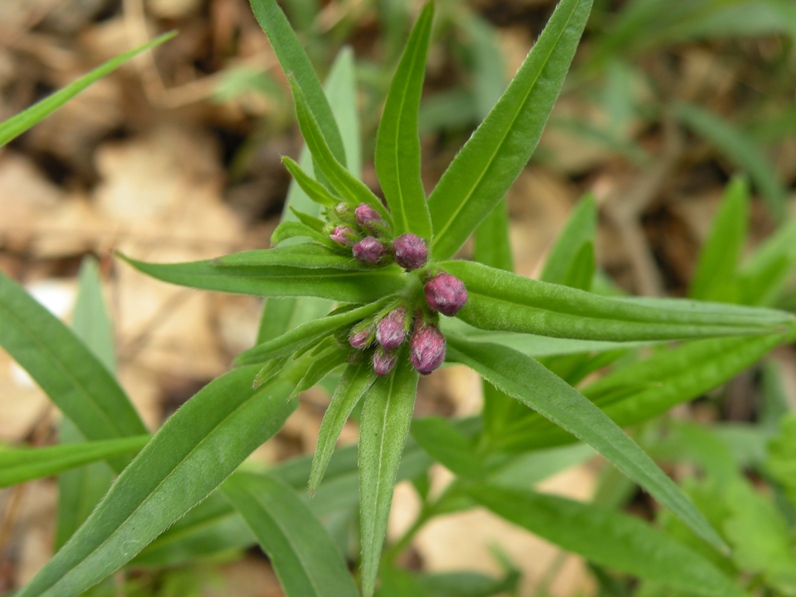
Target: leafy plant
(404, 306)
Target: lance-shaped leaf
(314, 190)
(500, 300)
(295, 62)
(18, 466)
(538, 388)
(382, 434)
(341, 180)
(307, 255)
(356, 380)
(501, 146)
(194, 451)
(19, 123)
(305, 334)
(349, 286)
(71, 376)
(609, 538)
(651, 387)
(298, 546)
(579, 232)
(397, 141)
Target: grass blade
(196, 449)
(19, 123)
(530, 383)
(501, 146)
(383, 429)
(397, 140)
(298, 546)
(609, 538)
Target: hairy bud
(446, 294)
(427, 348)
(361, 336)
(383, 361)
(391, 330)
(344, 235)
(369, 218)
(370, 250)
(411, 251)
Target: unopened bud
(427, 348)
(411, 251)
(361, 336)
(369, 250)
(383, 361)
(344, 235)
(446, 294)
(369, 218)
(391, 330)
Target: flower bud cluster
(368, 236)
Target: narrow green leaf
(383, 429)
(341, 180)
(285, 281)
(608, 538)
(19, 123)
(290, 230)
(354, 383)
(305, 334)
(79, 490)
(716, 274)
(298, 546)
(579, 230)
(448, 446)
(781, 460)
(281, 315)
(308, 256)
(397, 141)
(529, 382)
(69, 373)
(314, 190)
(738, 148)
(764, 274)
(20, 465)
(194, 451)
(323, 365)
(501, 300)
(501, 146)
(295, 62)
(341, 89)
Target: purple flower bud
(344, 235)
(383, 361)
(427, 348)
(369, 250)
(391, 330)
(446, 294)
(410, 251)
(369, 218)
(361, 336)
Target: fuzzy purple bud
(411, 251)
(446, 294)
(391, 330)
(369, 218)
(361, 337)
(427, 348)
(383, 361)
(343, 235)
(369, 250)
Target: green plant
(403, 303)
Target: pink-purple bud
(391, 330)
(427, 348)
(344, 235)
(361, 339)
(369, 218)
(411, 251)
(446, 294)
(383, 361)
(369, 250)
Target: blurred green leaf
(608, 538)
(579, 231)
(781, 462)
(448, 446)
